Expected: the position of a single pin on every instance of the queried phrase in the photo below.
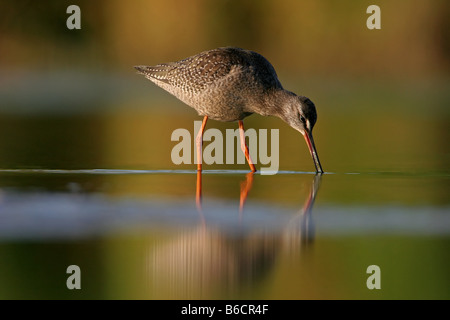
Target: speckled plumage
(226, 84)
(229, 84)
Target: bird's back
(219, 83)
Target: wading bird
(229, 84)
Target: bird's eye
(302, 119)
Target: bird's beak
(312, 149)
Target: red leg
(244, 146)
(199, 143)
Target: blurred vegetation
(303, 37)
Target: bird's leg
(199, 143)
(244, 146)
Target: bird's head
(300, 113)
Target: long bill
(312, 149)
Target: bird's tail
(159, 72)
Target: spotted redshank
(229, 84)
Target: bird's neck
(274, 103)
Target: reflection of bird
(306, 231)
(207, 262)
(229, 84)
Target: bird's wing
(193, 73)
(208, 67)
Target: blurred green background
(303, 38)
